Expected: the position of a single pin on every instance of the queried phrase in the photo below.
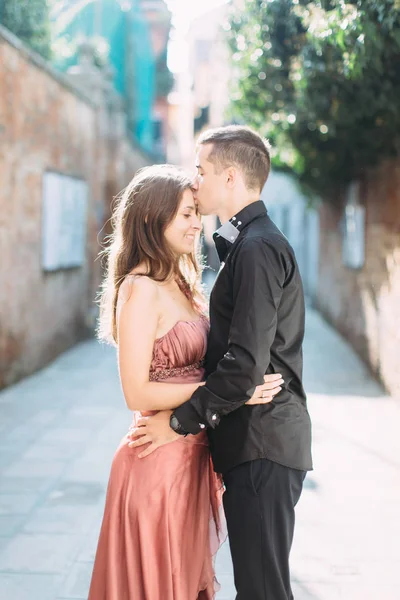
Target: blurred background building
(199, 100)
(131, 38)
(83, 105)
(200, 96)
(87, 97)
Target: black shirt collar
(227, 234)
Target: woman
(162, 524)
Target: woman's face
(184, 229)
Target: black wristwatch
(176, 426)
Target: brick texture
(46, 124)
(364, 304)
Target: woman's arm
(163, 396)
(137, 327)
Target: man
(257, 327)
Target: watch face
(174, 423)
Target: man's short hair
(242, 147)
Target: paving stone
(7, 459)
(24, 586)
(76, 493)
(10, 524)
(21, 434)
(38, 553)
(67, 435)
(78, 581)
(17, 503)
(23, 484)
(35, 468)
(51, 452)
(88, 551)
(91, 472)
(45, 417)
(60, 519)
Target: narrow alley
(59, 430)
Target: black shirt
(257, 327)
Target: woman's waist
(200, 438)
(185, 374)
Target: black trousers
(259, 505)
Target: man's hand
(154, 431)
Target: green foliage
(322, 81)
(29, 21)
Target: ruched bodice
(180, 350)
(182, 347)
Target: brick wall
(364, 304)
(47, 123)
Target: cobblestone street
(59, 430)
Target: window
(64, 217)
(353, 238)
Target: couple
(230, 386)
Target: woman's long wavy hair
(141, 214)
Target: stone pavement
(59, 430)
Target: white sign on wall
(65, 201)
(353, 242)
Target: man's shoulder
(264, 244)
(264, 232)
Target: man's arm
(258, 278)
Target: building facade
(63, 155)
(132, 38)
(359, 270)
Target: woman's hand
(265, 393)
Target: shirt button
(214, 418)
(239, 222)
(202, 426)
(233, 218)
(232, 238)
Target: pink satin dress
(163, 518)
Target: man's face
(209, 188)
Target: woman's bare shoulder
(141, 293)
(140, 287)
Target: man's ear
(231, 176)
